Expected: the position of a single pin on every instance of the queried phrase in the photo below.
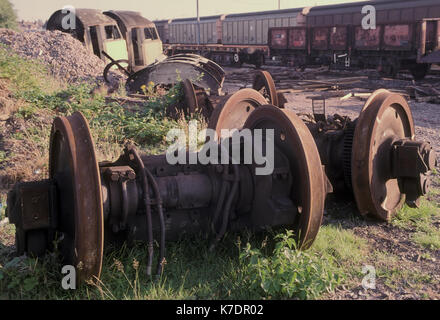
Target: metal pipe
(227, 210)
(220, 200)
(156, 190)
(125, 204)
(147, 202)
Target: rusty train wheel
(264, 84)
(385, 118)
(189, 93)
(296, 142)
(73, 167)
(233, 110)
(196, 100)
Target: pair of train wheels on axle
(385, 117)
(384, 120)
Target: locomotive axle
(375, 157)
(142, 197)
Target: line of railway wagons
(407, 36)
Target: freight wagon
(407, 36)
(227, 39)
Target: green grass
(109, 122)
(420, 221)
(286, 272)
(243, 266)
(145, 126)
(24, 74)
(416, 217)
(428, 239)
(396, 276)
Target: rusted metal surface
(298, 38)
(191, 103)
(339, 38)
(320, 38)
(37, 216)
(375, 156)
(264, 84)
(29, 220)
(390, 47)
(398, 37)
(201, 71)
(233, 110)
(74, 170)
(296, 143)
(385, 119)
(198, 198)
(367, 38)
(129, 19)
(279, 38)
(403, 163)
(86, 17)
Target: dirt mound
(66, 57)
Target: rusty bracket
(41, 213)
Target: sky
(161, 9)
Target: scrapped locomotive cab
(95, 30)
(152, 45)
(144, 45)
(113, 44)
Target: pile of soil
(66, 57)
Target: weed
(24, 73)
(289, 273)
(420, 221)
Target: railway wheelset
(85, 204)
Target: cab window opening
(150, 34)
(112, 33)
